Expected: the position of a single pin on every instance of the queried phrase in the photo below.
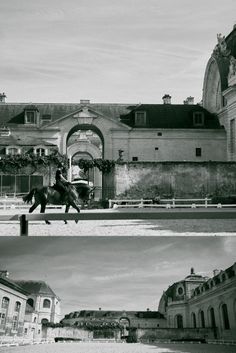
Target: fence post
(24, 226)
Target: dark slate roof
(13, 113)
(172, 116)
(13, 285)
(166, 116)
(36, 287)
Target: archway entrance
(85, 142)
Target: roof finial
(192, 271)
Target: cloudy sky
(108, 50)
(113, 273)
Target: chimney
(84, 101)
(166, 99)
(189, 100)
(4, 274)
(3, 98)
(148, 309)
(216, 272)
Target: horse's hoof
(76, 221)
(65, 222)
(47, 222)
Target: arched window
(179, 321)
(17, 306)
(225, 317)
(194, 322)
(5, 302)
(30, 302)
(44, 321)
(202, 318)
(212, 318)
(46, 303)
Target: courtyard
(97, 347)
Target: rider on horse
(62, 183)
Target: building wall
(180, 179)
(52, 314)
(6, 323)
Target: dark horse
(49, 195)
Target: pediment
(85, 112)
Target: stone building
(219, 87)
(12, 307)
(199, 302)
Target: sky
(126, 51)
(116, 273)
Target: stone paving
(95, 347)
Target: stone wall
(150, 334)
(50, 333)
(175, 179)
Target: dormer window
(140, 118)
(13, 150)
(40, 151)
(198, 119)
(30, 117)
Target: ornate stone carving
(221, 47)
(232, 71)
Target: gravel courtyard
(94, 347)
(129, 227)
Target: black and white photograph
(117, 176)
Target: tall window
(198, 152)
(15, 323)
(225, 317)
(179, 321)
(202, 318)
(232, 136)
(5, 303)
(46, 303)
(12, 151)
(212, 318)
(17, 306)
(140, 118)
(194, 322)
(30, 302)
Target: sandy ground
(94, 347)
(170, 227)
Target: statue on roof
(221, 47)
(232, 67)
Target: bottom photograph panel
(119, 294)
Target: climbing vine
(104, 165)
(13, 163)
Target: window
(134, 159)
(198, 152)
(40, 152)
(179, 321)
(194, 322)
(140, 118)
(198, 118)
(156, 148)
(202, 319)
(46, 303)
(12, 151)
(17, 306)
(15, 323)
(159, 134)
(212, 318)
(225, 317)
(5, 302)
(30, 302)
(232, 136)
(180, 291)
(30, 117)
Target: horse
(49, 194)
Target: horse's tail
(28, 198)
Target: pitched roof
(166, 116)
(104, 314)
(13, 113)
(172, 116)
(17, 139)
(36, 287)
(13, 285)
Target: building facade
(199, 302)
(12, 307)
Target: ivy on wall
(14, 163)
(104, 165)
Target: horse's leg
(33, 207)
(42, 210)
(73, 204)
(67, 210)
